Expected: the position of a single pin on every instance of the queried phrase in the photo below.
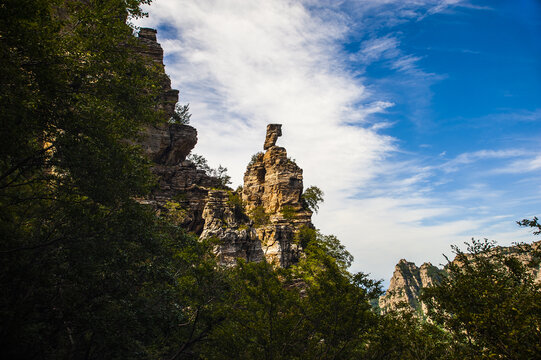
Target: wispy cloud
(374, 49)
(469, 158)
(521, 166)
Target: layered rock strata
(180, 182)
(272, 210)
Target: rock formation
(259, 223)
(408, 280)
(179, 181)
(274, 131)
(406, 285)
(270, 210)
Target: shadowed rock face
(167, 146)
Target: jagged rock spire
(274, 131)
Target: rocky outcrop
(408, 280)
(180, 182)
(168, 145)
(273, 183)
(406, 284)
(226, 221)
(269, 211)
(273, 186)
(258, 223)
(154, 52)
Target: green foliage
(314, 242)
(312, 197)
(288, 212)
(305, 236)
(88, 272)
(287, 314)
(489, 303)
(202, 164)
(85, 270)
(259, 316)
(181, 115)
(174, 212)
(235, 201)
(259, 216)
(531, 223)
(332, 246)
(255, 158)
(336, 308)
(401, 335)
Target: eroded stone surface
(238, 239)
(167, 145)
(170, 144)
(406, 284)
(272, 211)
(274, 131)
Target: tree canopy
(489, 302)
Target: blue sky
(420, 119)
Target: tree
(181, 115)
(313, 310)
(489, 302)
(531, 223)
(312, 197)
(260, 316)
(402, 335)
(220, 173)
(86, 271)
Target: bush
(235, 201)
(255, 158)
(202, 164)
(288, 212)
(259, 216)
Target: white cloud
(521, 166)
(376, 48)
(468, 158)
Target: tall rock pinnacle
(274, 131)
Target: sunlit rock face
(274, 131)
(406, 285)
(238, 239)
(271, 214)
